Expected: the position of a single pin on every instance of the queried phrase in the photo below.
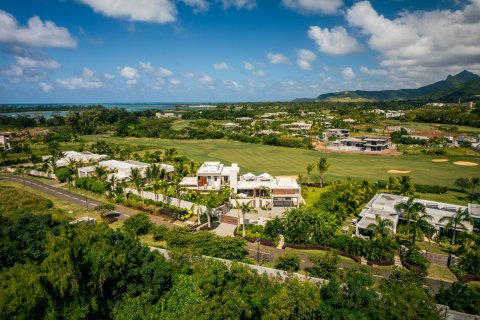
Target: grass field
(288, 161)
(441, 272)
(30, 199)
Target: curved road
(82, 201)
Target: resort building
(394, 114)
(260, 191)
(383, 205)
(165, 115)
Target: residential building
(121, 169)
(230, 125)
(244, 119)
(335, 133)
(394, 114)
(260, 191)
(83, 157)
(383, 205)
(165, 115)
(5, 142)
(361, 144)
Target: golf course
(258, 158)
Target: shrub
(470, 262)
(159, 232)
(425, 188)
(416, 258)
(288, 262)
(138, 224)
(324, 266)
(63, 174)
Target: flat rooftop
(210, 168)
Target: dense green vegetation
(84, 271)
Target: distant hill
(464, 86)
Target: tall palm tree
(211, 202)
(420, 226)
(410, 209)
(382, 228)
(101, 173)
(457, 221)
(406, 186)
(137, 180)
(310, 168)
(113, 182)
(245, 208)
(322, 167)
(472, 184)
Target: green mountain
(464, 86)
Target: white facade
(84, 157)
(383, 205)
(4, 143)
(262, 190)
(165, 115)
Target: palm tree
(244, 207)
(410, 209)
(101, 173)
(456, 221)
(113, 182)
(472, 184)
(382, 228)
(310, 168)
(136, 179)
(420, 226)
(322, 167)
(211, 202)
(406, 186)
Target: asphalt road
(74, 198)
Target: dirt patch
(439, 160)
(466, 163)
(394, 171)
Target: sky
(87, 51)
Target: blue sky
(55, 51)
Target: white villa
(5, 142)
(121, 169)
(165, 115)
(262, 190)
(84, 157)
(383, 205)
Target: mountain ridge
(464, 86)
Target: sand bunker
(399, 171)
(439, 160)
(466, 163)
(287, 177)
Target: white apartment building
(121, 169)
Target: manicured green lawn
(312, 195)
(288, 161)
(441, 272)
(431, 247)
(315, 253)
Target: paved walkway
(225, 230)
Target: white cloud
(87, 80)
(130, 74)
(175, 82)
(314, 6)
(30, 62)
(36, 34)
(421, 46)
(197, 5)
(259, 73)
(276, 58)
(334, 42)
(158, 11)
(45, 87)
(239, 4)
(373, 72)
(164, 72)
(248, 65)
(232, 84)
(148, 68)
(305, 59)
(109, 76)
(348, 73)
(206, 80)
(221, 66)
